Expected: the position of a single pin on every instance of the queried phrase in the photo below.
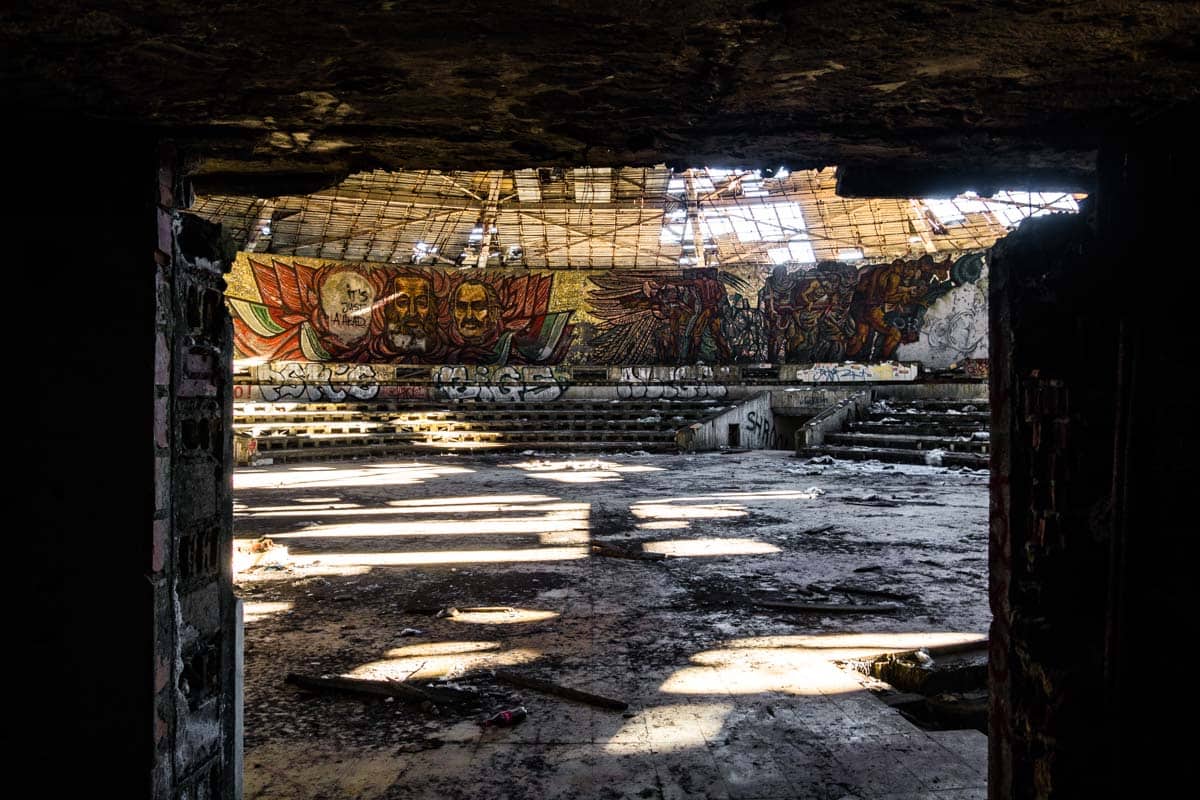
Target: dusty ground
(727, 699)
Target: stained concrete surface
(727, 699)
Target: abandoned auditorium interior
(563, 399)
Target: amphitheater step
(900, 456)
(940, 431)
(309, 431)
(973, 443)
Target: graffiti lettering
(669, 383)
(760, 431)
(664, 391)
(499, 384)
(851, 373)
(314, 382)
(403, 392)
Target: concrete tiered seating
(932, 431)
(307, 431)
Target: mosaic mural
(285, 310)
(351, 312)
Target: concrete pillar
(125, 629)
(1089, 323)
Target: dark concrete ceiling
(1017, 90)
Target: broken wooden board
(397, 689)
(526, 682)
(828, 608)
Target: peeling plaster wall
(956, 328)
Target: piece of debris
(403, 691)
(617, 552)
(412, 632)
(429, 697)
(871, 568)
(426, 610)
(871, 500)
(828, 608)
(525, 682)
(506, 718)
(820, 460)
(449, 611)
(842, 587)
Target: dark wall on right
(1091, 422)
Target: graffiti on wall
(956, 325)
(313, 382)
(355, 313)
(827, 314)
(849, 372)
(500, 384)
(761, 433)
(670, 383)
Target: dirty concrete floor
(726, 698)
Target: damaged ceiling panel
(303, 94)
(599, 218)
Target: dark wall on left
(124, 618)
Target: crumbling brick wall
(194, 606)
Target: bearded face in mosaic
(476, 311)
(410, 316)
(346, 301)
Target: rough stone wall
(194, 605)
(1091, 491)
(1054, 355)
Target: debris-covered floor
(646, 579)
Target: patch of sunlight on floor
(800, 665)
(292, 477)
(590, 471)
(326, 562)
(403, 664)
(691, 548)
(254, 610)
(658, 509)
(672, 727)
(491, 525)
(510, 617)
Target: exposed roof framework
(595, 218)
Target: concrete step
(979, 420)
(582, 426)
(908, 442)
(936, 404)
(915, 427)
(413, 448)
(898, 456)
(425, 406)
(465, 438)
